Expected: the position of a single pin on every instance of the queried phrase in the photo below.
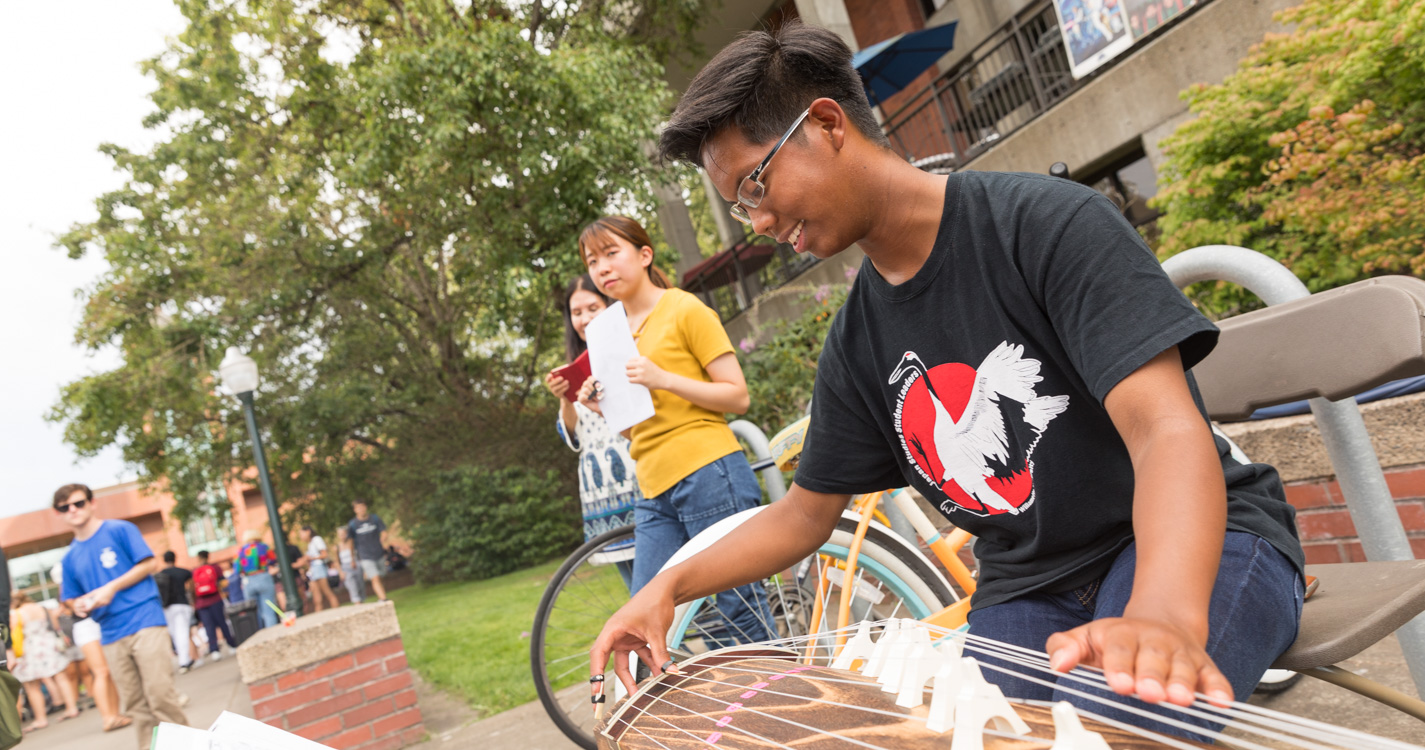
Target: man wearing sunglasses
(108, 576)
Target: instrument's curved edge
(617, 724)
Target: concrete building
(1015, 94)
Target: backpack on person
(205, 580)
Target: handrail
(762, 450)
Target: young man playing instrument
(1013, 350)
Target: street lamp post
(239, 373)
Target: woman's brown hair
(573, 345)
(625, 229)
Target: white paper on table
(168, 736)
(232, 731)
(611, 346)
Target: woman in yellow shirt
(690, 467)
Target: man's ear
(830, 121)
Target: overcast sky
(69, 80)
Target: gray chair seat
(1356, 605)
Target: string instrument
(902, 684)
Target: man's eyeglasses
(751, 191)
(64, 507)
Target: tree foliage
(377, 199)
(480, 523)
(1311, 152)
(780, 360)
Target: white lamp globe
(238, 372)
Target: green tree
(1311, 152)
(377, 199)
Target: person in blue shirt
(108, 576)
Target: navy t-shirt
(981, 382)
(113, 550)
(367, 535)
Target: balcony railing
(731, 280)
(1017, 73)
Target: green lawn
(472, 639)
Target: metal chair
(1328, 347)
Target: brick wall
(359, 700)
(1327, 534)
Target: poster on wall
(1147, 16)
(1095, 31)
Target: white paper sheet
(231, 731)
(611, 346)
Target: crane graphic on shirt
(953, 442)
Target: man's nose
(763, 222)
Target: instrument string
(1370, 741)
(1093, 679)
(1240, 716)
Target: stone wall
(1293, 445)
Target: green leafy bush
(481, 522)
(1311, 152)
(780, 361)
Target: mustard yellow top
(682, 336)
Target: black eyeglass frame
(739, 209)
(64, 507)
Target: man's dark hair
(169, 557)
(203, 557)
(359, 501)
(760, 83)
(62, 494)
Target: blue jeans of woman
(1252, 619)
(664, 523)
(261, 587)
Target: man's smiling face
(806, 203)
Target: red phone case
(576, 373)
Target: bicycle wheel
(893, 579)
(582, 595)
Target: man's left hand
(1155, 659)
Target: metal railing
(1018, 72)
(730, 300)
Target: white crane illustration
(965, 446)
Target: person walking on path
(173, 585)
(350, 571)
(208, 602)
(107, 576)
(608, 488)
(368, 531)
(691, 470)
(232, 583)
(90, 668)
(253, 559)
(41, 660)
(317, 569)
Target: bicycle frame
(946, 549)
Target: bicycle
(889, 577)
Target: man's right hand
(639, 627)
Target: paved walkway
(211, 690)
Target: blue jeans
(261, 587)
(665, 523)
(1253, 618)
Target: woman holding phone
(691, 469)
(607, 487)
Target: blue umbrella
(889, 66)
